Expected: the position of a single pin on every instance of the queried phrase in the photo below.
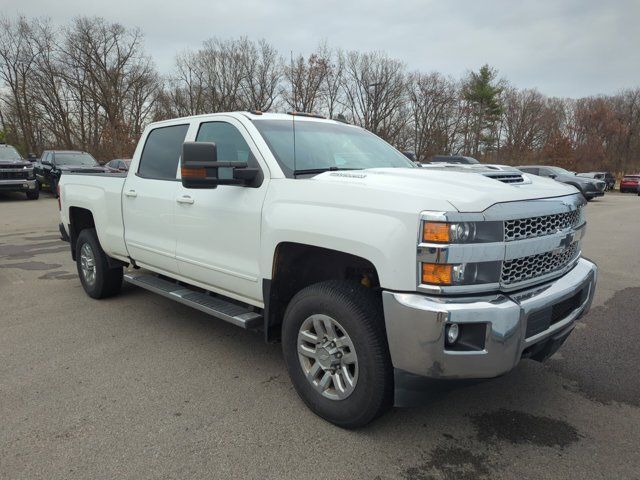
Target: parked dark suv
(54, 162)
(16, 174)
(589, 187)
(606, 177)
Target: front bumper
(18, 185)
(593, 194)
(415, 325)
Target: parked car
(458, 159)
(119, 165)
(606, 177)
(16, 174)
(590, 188)
(374, 274)
(630, 183)
(54, 162)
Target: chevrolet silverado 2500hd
(371, 272)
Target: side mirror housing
(553, 176)
(199, 167)
(45, 162)
(31, 156)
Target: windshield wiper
(310, 171)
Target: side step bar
(210, 303)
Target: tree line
(91, 85)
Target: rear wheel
(335, 349)
(97, 278)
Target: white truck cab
(376, 275)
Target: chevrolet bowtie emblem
(567, 240)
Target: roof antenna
(293, 117)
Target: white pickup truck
(375, 275)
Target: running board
(209, 303)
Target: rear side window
(162, 152)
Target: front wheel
(34, 194)
(335, 348)
(98, 280)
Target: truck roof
(252, 115)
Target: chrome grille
(539, 226)
(526, 268)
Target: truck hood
(82, 169)
(468, 190)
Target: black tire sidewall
(364, 325)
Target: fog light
(452, 333)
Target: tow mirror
(199, 167)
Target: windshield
(75, 159)
(9, 153)
(327, 146)
(561, 171)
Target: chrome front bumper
(17, 185)
(416, 324)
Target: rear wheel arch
(79, 219)
(296, 266)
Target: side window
(533, 171)
(161, 152)
(230, 144)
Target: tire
(53, 187)
(105, 281)
(358, 312)
(34, 194)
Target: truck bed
(100, 193)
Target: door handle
(185, 199)
(131, 193)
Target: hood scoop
(501, 173)
(506, 177)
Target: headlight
(461, 232)
(30, 173)
(444, 274)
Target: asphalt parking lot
(141, 387)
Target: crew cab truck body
(373, 273)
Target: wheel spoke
(329, 328)
(347, 376)
(318, 326)
(307, 336)
(324, 381)
(307, 351)
(313, 371)
(344, 341)
(338, 382)
(349, 358)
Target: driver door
(218, 229)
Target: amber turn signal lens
(187, 172)
(437, 274)
(435, 232)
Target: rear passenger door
(219, 229)
(148, 200)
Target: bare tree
(375, 92)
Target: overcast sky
(566, 48)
